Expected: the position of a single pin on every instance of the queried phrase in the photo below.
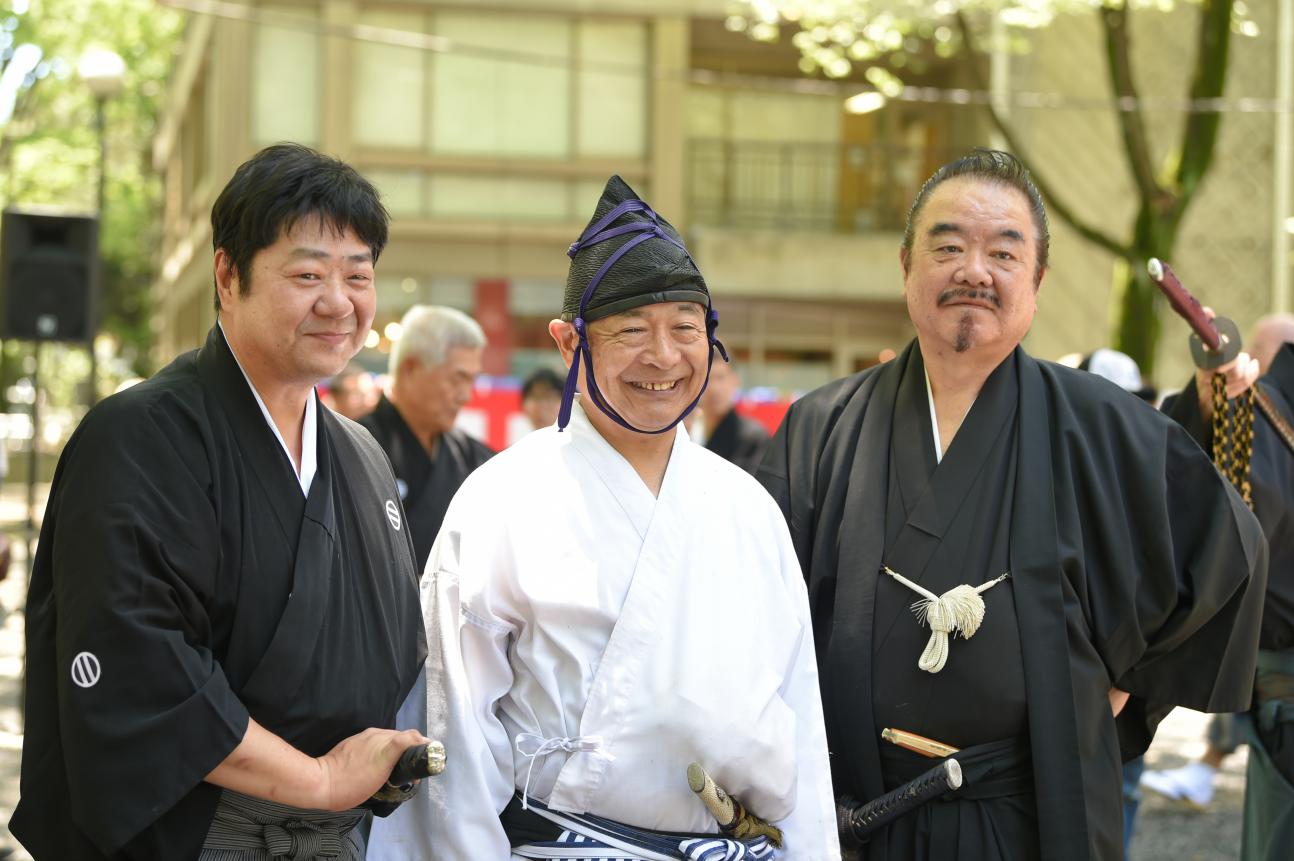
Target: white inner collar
(934, 418)
(309, 428)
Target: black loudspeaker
(49, 276)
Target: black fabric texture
(653, 271)
(739, 440)
(427, 484)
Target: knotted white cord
(959, 610)
(545, 746)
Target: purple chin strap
(600, 232)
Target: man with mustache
(1071, 553)
(222, 619)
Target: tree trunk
(1140, 303)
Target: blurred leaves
(49, 149)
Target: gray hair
(430, 332)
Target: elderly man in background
(433, 368)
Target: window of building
(388, 95)
(287, 54)
(510, 85)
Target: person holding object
(608, 602)
(1268, 726)
(222, 619)
(1066, 546)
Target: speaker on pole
(49, 276)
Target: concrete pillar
(670, 62)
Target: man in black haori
(1082, 538)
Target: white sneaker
(1191, 784)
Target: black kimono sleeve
(1179, 625)
(128, 708)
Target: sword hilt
(1213, 342)
(417, 762)
(858, 821)
(733, 819)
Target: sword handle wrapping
(858, 821)
(419, 761)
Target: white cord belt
(960, 610)
(544, 746)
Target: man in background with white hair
(433, 368)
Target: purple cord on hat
(599, 232)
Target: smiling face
(307, 309)
(971, 278)
(649, 363)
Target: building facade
(491, 128)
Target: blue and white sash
(585, 836)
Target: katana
(857, 821)
(734, 820)
(417, 762)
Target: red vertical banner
(493, 315)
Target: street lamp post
(103, 72)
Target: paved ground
(1166, 832)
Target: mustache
(954, 293)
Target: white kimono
(566, 604)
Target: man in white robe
(608, 602)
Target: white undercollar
(309, 429)
(934, 419)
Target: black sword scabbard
(860, 820)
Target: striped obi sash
(253, 829)
(585, 836)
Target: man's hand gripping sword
(734, 820)
(419, 761)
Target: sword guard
(1209, 360)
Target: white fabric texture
(563, 600)
(309, 429)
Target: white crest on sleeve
(393, 514)
(85, 670)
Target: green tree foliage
(833, 36)
(49, 149)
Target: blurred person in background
(433, 368)
(1268, 726)
(354, 393)
(541, 397)
(728, 434)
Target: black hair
(544, 378)
(989, 165)
(279, 186)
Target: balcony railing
(846, 188)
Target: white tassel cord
(959, 610)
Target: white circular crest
(85, 670)
(393, 514)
